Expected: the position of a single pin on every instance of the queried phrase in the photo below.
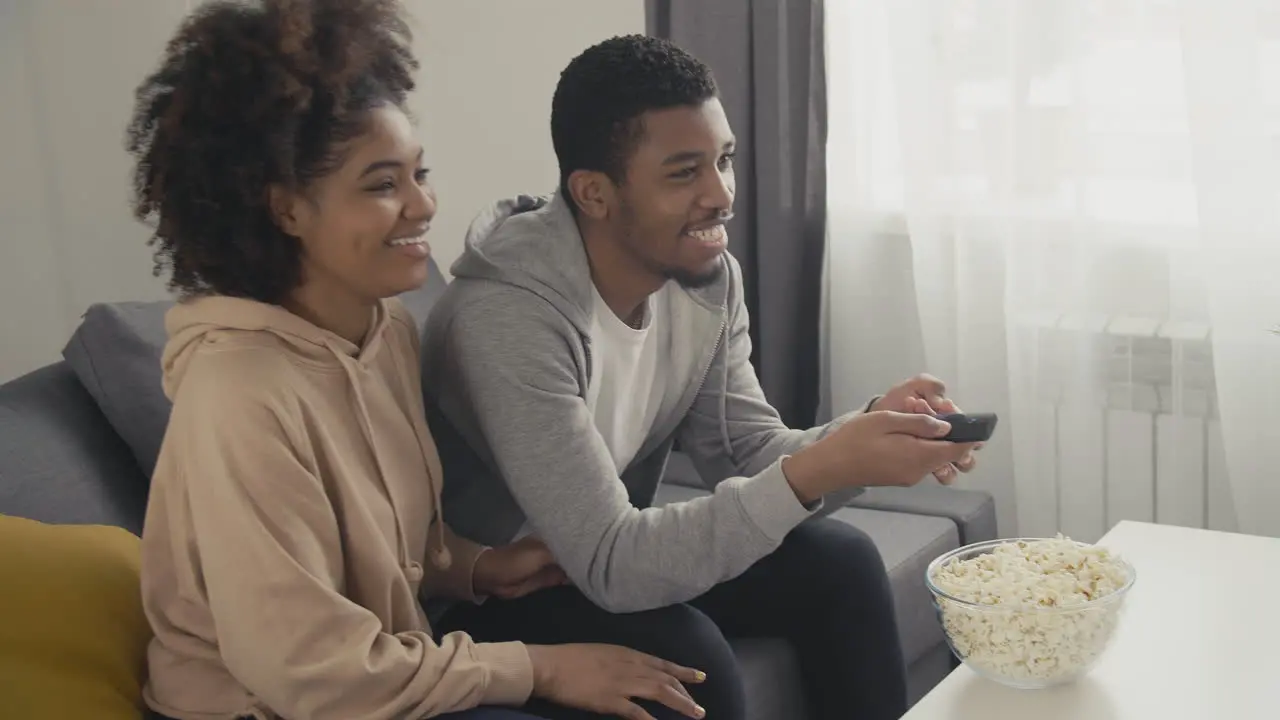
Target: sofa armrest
(973, 511)
(60, 461)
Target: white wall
(484, 98)
(67, 73)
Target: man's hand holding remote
(896, 443)
(927, 394)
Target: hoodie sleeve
(269, 545)
(732, 429)
(458, 581)
(524, 397)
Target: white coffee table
(1199, 639)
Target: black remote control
(974, 428)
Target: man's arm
(508, 356)
(732, 429)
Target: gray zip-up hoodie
(507, 359)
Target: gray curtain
(768, 59)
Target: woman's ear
(284, 206)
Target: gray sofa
(78, 441)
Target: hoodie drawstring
(441, 558)
(413, 567)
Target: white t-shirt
(627, 388)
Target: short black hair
(248, 95)
(603, 92)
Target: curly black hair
(596, 109)
(248, 95)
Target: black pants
(825, 590)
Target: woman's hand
(607, 679)
(514, 570)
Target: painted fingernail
(697, 709)
(699, 676)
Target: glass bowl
(1027, 646)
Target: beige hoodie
(293, 514)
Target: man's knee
(841, 576)
(829, 546)
(684, 635)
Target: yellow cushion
(73, 637)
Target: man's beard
(694, 280)
(688, 279)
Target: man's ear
(593, 192)
(285, 211)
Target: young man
(584, 334)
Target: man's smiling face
(677, 193)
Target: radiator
(1118, 422)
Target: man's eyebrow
(383, 164)
(683, 157)
(690, 155)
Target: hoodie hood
(531, 242)
(191, 323)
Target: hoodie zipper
(714, 351)
(724, 430)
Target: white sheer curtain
(1068, 210)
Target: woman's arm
(458, 580)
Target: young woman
(294, 514)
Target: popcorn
(1037, 620)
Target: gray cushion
(60, 462)
(908, 543)
(419, 302)
(973, 511)
(116, 354)
(924, 674)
